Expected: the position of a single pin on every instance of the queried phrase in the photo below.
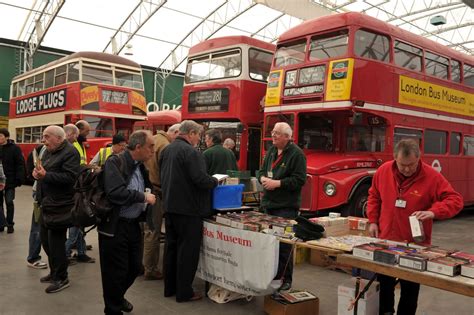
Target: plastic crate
(227, 196)
(239, 174)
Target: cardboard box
(365, 251)
(467, 270)
(448, 266)
(320, 258)
(301, 255)
(273, 307)
(367, 305)
(356, 223)
(417, 231)
(413, 261)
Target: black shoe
(127, 307)
(10, 229)
(2, 228)
(286, 286)
(57, 286)
(46, 279)
(71, 261)
(88, 247)
(84, 259)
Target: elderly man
(186, 190)
(55, 189)
(120, 236)
(218, 159)
(283, 174)
(402, 188)
(151, 234)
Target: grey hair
(285, 128)
(71, 129)
(174, 128)
(215, 135)
(406, 147)
(56, 131)
(188, 126)
(229, 142)
(81, 124)
(138, 137)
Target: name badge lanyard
(274, 164)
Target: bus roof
(330, 22)
(171, 116)
(83, 54)
(226, 41)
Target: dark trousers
(7, 195)
(120, 263)
(53, 245)
(182, 248)
(408, 296)
(285, 258)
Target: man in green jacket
(218, 159)
(283, 174)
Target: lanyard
(278, 160)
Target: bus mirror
(357, 119)
(240, 128)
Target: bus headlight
(330, 189)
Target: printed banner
(89, 95)
(339, 81)
(436, 97)
(272, 97)
(238, 260)
(138, 103)
(41, 102)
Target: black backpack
(307, 230)
(91, 204)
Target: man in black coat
(120, 236)
(186, 188)
(14, 169)
(56, 175)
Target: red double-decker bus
(159, 120)
(352, 86)
(103, 89)
(224, 88)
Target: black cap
(117, 139)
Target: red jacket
(429, 190)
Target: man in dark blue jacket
(14, 169)
(186, 188)
(120, 236)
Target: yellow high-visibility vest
(82, 152)
(104, 154)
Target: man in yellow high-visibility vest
(118, 145)
(84, 129)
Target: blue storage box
(227, 196)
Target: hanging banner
(238, 260)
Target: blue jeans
(34, 248)
(75, 237)
(8, 195)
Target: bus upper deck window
(468, 75)
(371, 45)
(329, 45)
(290, 54)
(407, 56)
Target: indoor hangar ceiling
(159, 33)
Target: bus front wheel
(357, 206)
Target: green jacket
(291, 171)
(219, 160)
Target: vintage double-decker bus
(224, 88)
(159, 120)
(103, 89)
(351, 86)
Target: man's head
(4, 136)
(141, 145)
(281, 134)
(191, 131)
(53, 136)
(212, 137)
(229, 144)
(118, 144)
(407, 156)
(84, 128)
(72, 132)
(173, 131)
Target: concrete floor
(22, 293)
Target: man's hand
(150, 198)
(39, 172)
(424, 215)
(374, 230)
(270, 184)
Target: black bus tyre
(357, 206)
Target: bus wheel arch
(357, 204)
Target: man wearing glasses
(283, 174)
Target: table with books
(431, 266)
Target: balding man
(84, 129)
(56, 176)
(283, 174)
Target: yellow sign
(89, 95)
(339, 82)
(275, 82)
(436, 97)
(138, 100)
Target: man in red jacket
(402, 188)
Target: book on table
(296, 296)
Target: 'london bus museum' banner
(339, 81)
(436, 97)
(238, 260)
(275, 81)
